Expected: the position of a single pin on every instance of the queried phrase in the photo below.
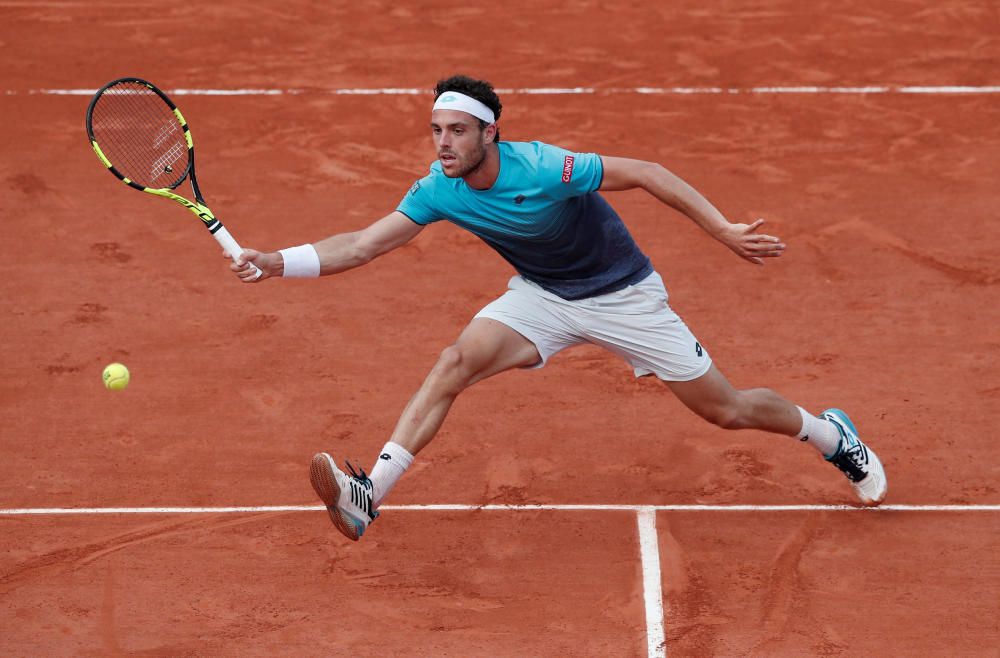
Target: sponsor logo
(201, 211)
(805, 438)
(698, 350)
(519, 199)
(567, 169)
(415, 187)
(386, 456)
(448, 99)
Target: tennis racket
(143, 139)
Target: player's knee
(450, 370)
(728, 415)
(449, 361)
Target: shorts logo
(697, 349)
(415, 187)
(519, 199)
(567, 169)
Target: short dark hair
(481, 90)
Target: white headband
(452, 100)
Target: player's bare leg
(486, 347)
(712, 397)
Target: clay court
(569, 511)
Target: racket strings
(140, 135)
(142, 141)
(147, 113)
(139, 112)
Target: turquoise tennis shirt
(543, 215)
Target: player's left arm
(743, 239)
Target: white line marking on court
(29, 511)
(559, 91)
(652, 585)
(385, 91)
(230, 92)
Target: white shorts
(636, 323)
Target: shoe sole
(878, 472)
(324, 483)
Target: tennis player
(580, 278)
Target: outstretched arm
(339, 252)
(627, 174)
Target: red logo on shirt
(567, 169)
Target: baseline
(556, 91)
(505, 508)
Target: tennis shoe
(348, 498)
(858, 462)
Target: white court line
(30, 511)
(556, 91)
(652, 585)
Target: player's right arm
(339, 252)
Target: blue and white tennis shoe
(858, 462)
(348, 498)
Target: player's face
(460, 142)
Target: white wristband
(301, 261)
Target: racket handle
(233, 248)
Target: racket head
(140, 135)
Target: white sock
(391, 465)
(820, 434)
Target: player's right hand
(269, 265)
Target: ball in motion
(115, 377)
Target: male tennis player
(580, 279)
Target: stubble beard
(473, 167)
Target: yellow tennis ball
(115, 377)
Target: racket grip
(233, 248)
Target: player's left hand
(750, 245)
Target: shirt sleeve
(418, 204)
(565, 174)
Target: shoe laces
(858, 454)
(361, 476)
(853, 461)
(366, 501)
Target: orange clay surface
(885, 304)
